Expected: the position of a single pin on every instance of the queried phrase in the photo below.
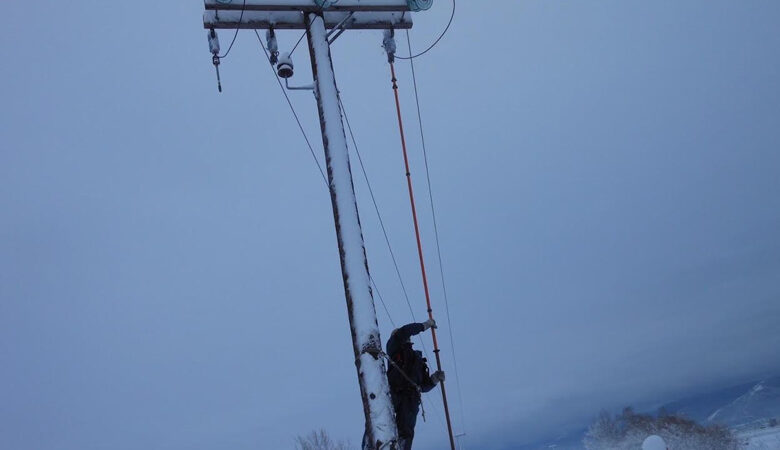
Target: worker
(408, 377)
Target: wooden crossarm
(308, 5)
(290, 20)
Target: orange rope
(420, 252)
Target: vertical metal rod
(381, 432)
(420, 253)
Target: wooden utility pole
(316, 17)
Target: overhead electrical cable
(420, 250)
(297, 43)
(327, 185)
(373, 198)
(240, 18)
(376, 207)
(436, 233)
(379, 216)
(295, 114)
(436, 42)
(430, 404)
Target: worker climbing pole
(324, 21)
(390, 47)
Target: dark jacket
(409, 360)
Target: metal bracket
(308, 87)
(340, 28)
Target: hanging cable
(295, 114)
(436, 42)
(381, 221)
(240, 18)
(376, 206)
(297, 43)
(436, 234)
(324, 179)
(420, 251)
(390, 249)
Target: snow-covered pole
(381, 432)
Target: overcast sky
(605, 174)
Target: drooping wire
(430, 404)
(436, 233)
(240, 18)
(420, 254)
(295, 114)
(382, 300)
(436, 42)
(319, 166)
(376, 206)
(297, 43)
(379, 215)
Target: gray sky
(605, 176)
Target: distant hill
(741, 407)
(762, 401)
(700, 407)
(734, 406)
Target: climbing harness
(403, 374)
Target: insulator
(389, 44)
(285, 67)
(213, 42)
(419, 5)
(325, 3)
(273, 46)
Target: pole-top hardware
(285, 68)
(419, 5)
(214, 49)
(289, 14)
(320, 5)
(388, 42)
(325, 3)
(273, 46)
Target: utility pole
(316, 17)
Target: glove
(437, 377)
(430, 323)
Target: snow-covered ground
(760, 439)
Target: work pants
(407, 406)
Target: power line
(297, 43)
(295, 114)
(382, 300)
(376, 206)
(324, 179)
(436, 229)
(392, 254)
(441, 36)
(240, 18)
